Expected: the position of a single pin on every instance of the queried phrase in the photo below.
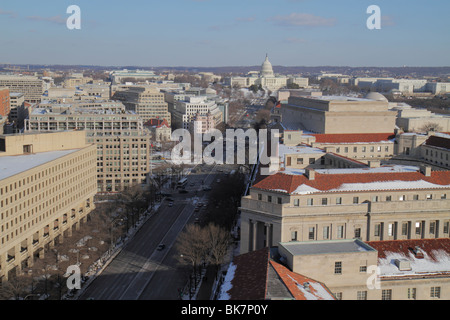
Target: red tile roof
(353, 137)
(294, 281)
(325, 182)
(406, 246)
(439, 142)
(251, 277)
(249, 282)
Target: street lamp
(111, 231)
(190, 276)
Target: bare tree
(430, 127)
(219, 241)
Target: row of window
(386, 294)
(407, 228)
(356, 200)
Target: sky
(212, 33)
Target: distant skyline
(216, 33)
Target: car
(183, 191)
(169, 199)
(196, 209)
(161, 247)
(218, 180)
(170, 204)
(206, 188)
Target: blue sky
(226, 33)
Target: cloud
(10, 14)
(303, 20)
(55, 19)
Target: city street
(140, 270)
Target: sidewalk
(206, 286)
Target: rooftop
(12, 165)
(297, 248)
(354, 180)
(257, 276)
(423, 257)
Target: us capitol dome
(266, 68)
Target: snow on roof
(433, 257)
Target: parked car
(161, 247)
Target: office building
(123, 145)
(32, 87)
(382, 203)
(47, 187)
(148, 103)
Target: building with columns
(382, 203)
(47, 187)
(266, 78)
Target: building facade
(384, 203)
(123, 145)
(31, 87)
(47, 187)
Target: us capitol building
(266, 78)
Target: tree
(430, 127)
(219, 241)
(192, 247)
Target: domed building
(266, 68)
(376, 96)
(266, 78)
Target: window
(416, 197)
(435, 292)
(362, 295)
(312, 160)
(294, 236)
(299, 160)
(338, 200)
(402, 198)
(446, 226)
(418, 227)
(311, 233)
(375, 199)
(296, 202)
(377, 230)
(355, 200)
(338, 295)
(432, 227)
(358, 233)
(390, 229)
(444, 196)
(259, 196)
(386, 294)
(429, 196)
(326, 232)
(340, 232)
(310, 202)
(338, 267)
(324, 201)
(412, 293)
(388, 198)
(404, 229)
(355, 149)
(279, 200)
(269, 198)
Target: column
(254, 234)
(268, 227)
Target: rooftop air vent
(403, 264)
